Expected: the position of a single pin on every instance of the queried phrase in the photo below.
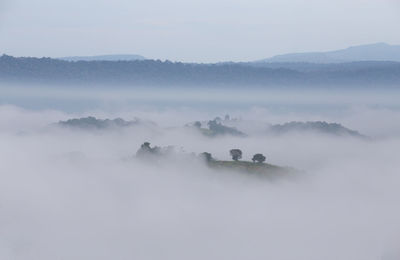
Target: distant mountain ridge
(117, 57)
(368, 52)
(158, 73)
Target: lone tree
(197, 124)
(145, 150)
(236, 154)
(206, 156)
(260, 158)
(145, 145)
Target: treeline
(164, 73)
(151, 153)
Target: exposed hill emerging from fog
(369, 52)
(91, 123)
(217, 127)
(161, 74)
(158, 155)
(314, 127)
(230, 126)
(119, 57)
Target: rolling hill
(368, 52)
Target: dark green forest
(167, 73)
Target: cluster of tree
(328, 67)
(138, 72)
(160, 73)
(218, 128)
(94, 123)
(236, 155)
(215, 127)
(146, 151)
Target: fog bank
(73, 194)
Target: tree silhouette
(236, 154)
(206, 156)
(260, 158)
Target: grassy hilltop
(259, 169)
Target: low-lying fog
(80, 194)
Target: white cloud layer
(68, 194)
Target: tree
(197, 124)
(206, 156)
(236, 154)
(219, 129)
(145, 150)
(260, 158)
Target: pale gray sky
(195, 30)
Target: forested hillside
(164, 73)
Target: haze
(290, 158)
(78, 194)
(199, 31)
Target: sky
(193, 31)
